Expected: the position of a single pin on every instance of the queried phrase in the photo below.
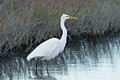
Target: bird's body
(52, 47)
(47, 50)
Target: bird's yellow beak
(71, 17)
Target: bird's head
(65, 16)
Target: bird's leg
(62, 56)
(36, 66)
(47, 67)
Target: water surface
(81, 60)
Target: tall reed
(28, 22)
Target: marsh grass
(24, 23)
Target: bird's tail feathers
(32, 55)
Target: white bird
(52, 47)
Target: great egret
(52, 47)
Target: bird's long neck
(64, 30)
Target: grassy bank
(24, 23)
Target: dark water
(81, 60)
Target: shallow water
(81, 60)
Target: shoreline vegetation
(26, 23)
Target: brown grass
(29, 22)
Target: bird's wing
(45, 49)
(51, 52)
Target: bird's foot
(36, 77)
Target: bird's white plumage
(52, 47)
(47, 50)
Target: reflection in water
(81, 60)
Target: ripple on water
(83, 61)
